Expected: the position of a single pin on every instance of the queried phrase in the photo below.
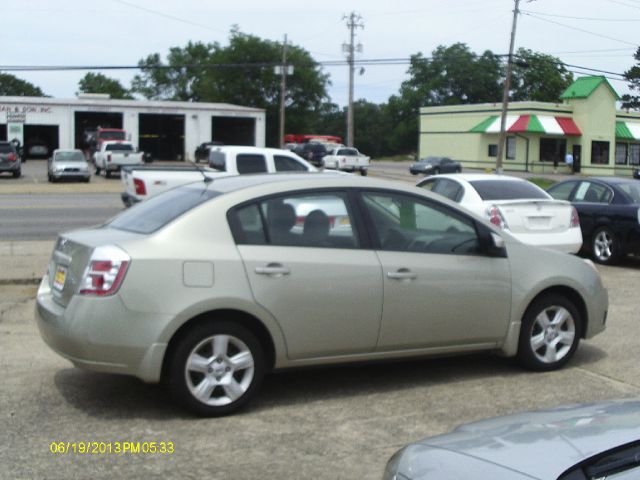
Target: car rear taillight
(109, 158)
(141, 189)
(495, 217)
(575, 220)
(107, 268)
(12, 157)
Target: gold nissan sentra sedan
(209, 286)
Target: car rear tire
(17, 173)
(107, 173)
(364, 172)
(216, 368)
(550, 333)
(97, 171)
(605, 247)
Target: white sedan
(516, 205)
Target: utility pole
(353, 21)
(283, 70)
(505, 96)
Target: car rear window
(507, 190)
(155, 213)
(6, 148)
(632, 189)
(122, 147)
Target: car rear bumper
(100, 334)
(77, 175)
(128, 199)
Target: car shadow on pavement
(115, 396)
(121, 397)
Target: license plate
(60, 277)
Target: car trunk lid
(71, 256)
(534, 216)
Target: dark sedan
(609, 211)
(435, 165)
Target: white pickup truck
(347, 159)
(113, 155)
(141, 183)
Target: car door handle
(273, 269)
(402, 274)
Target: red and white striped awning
(542, 124)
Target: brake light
(107, 268)
(575, 220)
(140, 187)
(495, 217)
(11, 157)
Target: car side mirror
(491, 243)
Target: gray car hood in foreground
(541, 444)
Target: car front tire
(605, 247)
(550, 333)
(215, 368)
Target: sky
(589, 34)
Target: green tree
(99, 83)
(241, 73)
(538, 77)
(453, 75)
(13, 86)
(633, 77)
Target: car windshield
(430, 160)
(155, 213)
(632, 189)
(69, 157)
(348, 152)
(508, 190)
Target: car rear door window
(320, 220)
(592, 192)
(288, 164)
(410, 224)
(251, 163)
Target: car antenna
(201, 170)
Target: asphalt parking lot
(325, 423)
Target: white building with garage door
(166, 130)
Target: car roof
(473, 177)
(250, 149)
(61, 150)
(301, 181)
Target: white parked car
(516, 205)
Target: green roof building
(585, 123)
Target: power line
(579, 29)
(595, 19)
(166, 15)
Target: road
(43, 216)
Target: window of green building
(634, 154)
(511, 148)
(622, 152)
(599, 153)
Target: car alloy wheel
(216, 367)
(550, 333)
(604, 246)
